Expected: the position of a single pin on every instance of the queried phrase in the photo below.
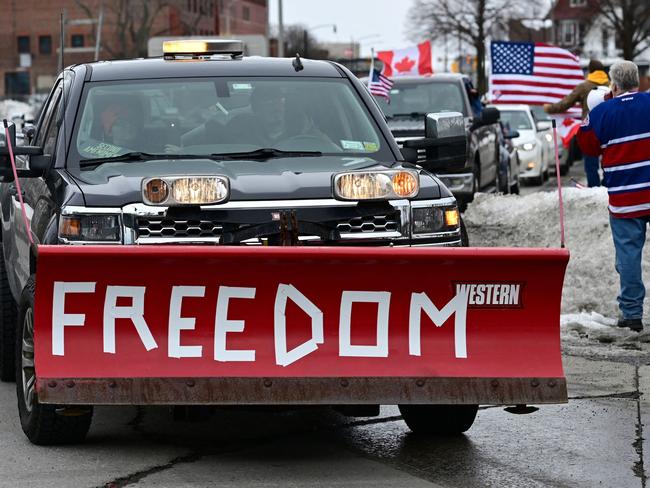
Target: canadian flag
(409, 61)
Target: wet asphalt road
(597, 439)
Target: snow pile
(591, 284)
(14, 108)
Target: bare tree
(134, 22)
(469, 20)
(299, 40)
(630, 20)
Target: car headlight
(376, 185)
(427, 220)
(185, 190)
(528, 146)
(90, 228)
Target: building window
(577, 3)
(568, 33)
(23, 45)
(45, 44)
(246, 13)
(77, 40)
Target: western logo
(494, 295)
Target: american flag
(532, 73)
(379, 85)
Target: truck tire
(42, 424)
(7, 327)
(438, 420)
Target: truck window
(420, 98)
(206, 116)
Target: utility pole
(100, 22)
(280, 31)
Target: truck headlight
(185, 190)
(376, 185)
(90, 228)
(427, 220)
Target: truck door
(19, 247)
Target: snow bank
(591, 284)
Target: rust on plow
(301, 391)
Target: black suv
(210, 148)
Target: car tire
(438, 420)
(42, 424)
(564, 170)
(8, 312)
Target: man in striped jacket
(619, 129)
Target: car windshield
(538, 113)
(212, 116)
(516, 120)
(420, 98)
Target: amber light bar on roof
(202, 47)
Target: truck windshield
(415, 99)
(212, 116)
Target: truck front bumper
(302, 391)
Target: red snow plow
(231, 325)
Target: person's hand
(171, 149)
(547, 107)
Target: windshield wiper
(136, 156)
(265, 153)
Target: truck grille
(161, 227)
(422, 153)
(369, 224)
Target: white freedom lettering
(135, 312)
(380, 348)
(282, 356)
(222, 325)
(420, 302)
(178, 323)
(60, 319)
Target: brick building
(30, 32)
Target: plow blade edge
(241, 325)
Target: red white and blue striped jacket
(619, 129)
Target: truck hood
(118, 184)
(403, 126)
(411, 126)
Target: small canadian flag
(409, 61)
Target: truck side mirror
(445, 141)
(6, 171)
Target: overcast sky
(354, 19)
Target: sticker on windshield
(371, 146)
(352, 145)
(242, 86)
(102, 149)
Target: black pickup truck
(412, 97)
(208, 148)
